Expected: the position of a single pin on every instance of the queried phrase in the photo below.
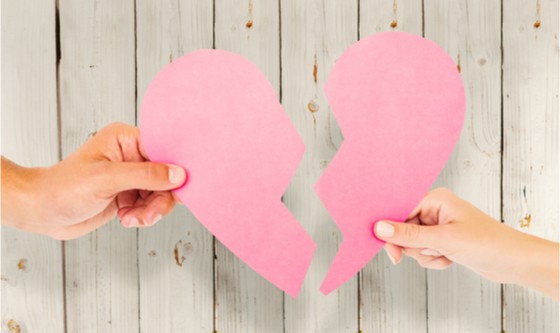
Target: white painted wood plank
(458, 299)
(530, 95)
(32, 287)
(97, 87)
(176, 293)
(390, 15)
(245, 302)
(393, 298)
(314, 35)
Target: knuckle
(151, 171)
(446, 265)
(412, 253)
(134, 130)
(102, 178)
(168, 203)
(163, 202)
(441, 192)
(427, 262)
(147, 171)
(411, 232)
(107, 129)
(111, 129)
(438, 265)
(423, 264)
(117, 125)
(155, 173)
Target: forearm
(512, 256)
(17, 193)
(538, 268)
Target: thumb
(123, 176)
(407, 234)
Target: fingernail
(384, 229)
(156, 219)
(177, 175)
(430, 252)
(393, 260)
(133, 222)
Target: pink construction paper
(399, 101)
(214, 113)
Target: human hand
(444, 229)
(109, 175)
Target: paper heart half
(400, 103)
(214, 113)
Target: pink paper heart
(400, 103)
(214, 113)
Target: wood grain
(32, 288)
(175, 256)
(314, 35)
(122, 280)
(530, 160)
(458, 299)
(97, 84)
(392, 298)
(246, 302)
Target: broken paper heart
(400, 103)
(214, 113)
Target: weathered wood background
(70, 67)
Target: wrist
(19, 194)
